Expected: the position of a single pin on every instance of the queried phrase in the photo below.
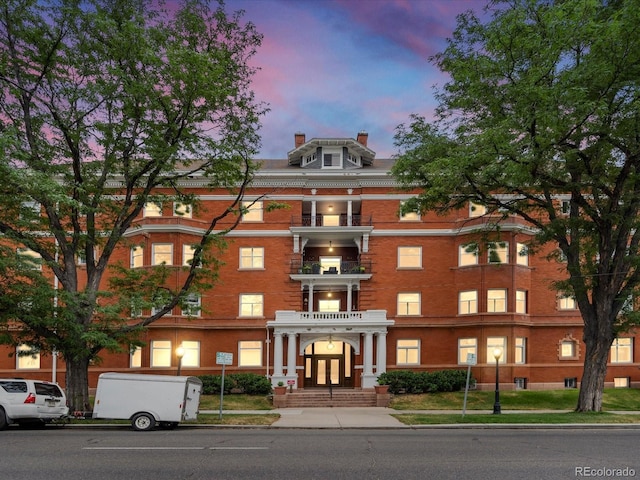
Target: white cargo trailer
(147, 400)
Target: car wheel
(143, 422)
(3, 419)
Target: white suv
(30, 401)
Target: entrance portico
(309, 335)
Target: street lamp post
(179, 354)
(497, 353)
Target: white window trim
(493, 302)
(468, 303)
(242, 303)
(153, 254)
(252, 257)
(408, 349)
(418, 302)
(249, 350)
(406, 256)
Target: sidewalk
(380, 417)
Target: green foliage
(540, 119)
(406, 381)
(124, 99)
(247, 383)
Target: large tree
(104, 104)
(542, 111)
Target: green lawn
(567, 399)
(518, 418)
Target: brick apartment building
(340, 287)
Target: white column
(368, 353)
(381, 357)
(349, 295)
(350, 213)
(313, 213)
(291, 355)
(310, 297)
(369, 379)
(277, 354)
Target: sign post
(223, 358)
(471, 360)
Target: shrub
(249, 383)
(406, 381)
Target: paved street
(244, 453)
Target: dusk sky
(331, 68)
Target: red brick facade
(390, 293)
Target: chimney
(299, 139)
(362, 138)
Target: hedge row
(405, 381)
(249, 383)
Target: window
(328, 305)
(621, 382)
(498, 252)
(522, 254)
(81, 258)
(160, 353)
(162, 253)
(191, 357)
(408, 352)
(192, 305)
(521, 301)
(476, 210)
(408, 216)
(135, 357)
(252, 211)
(182, 210)
(408, 304)
(496, 300)
(152, 209)
(468, 254)
(566, 302)
(622, 350)
(329, 220)
(27, 357)
(251, 305)
(409, 257)
(250, 353)
(30, 211)
(251, 257)
(331, 159)
(188, 252)
(465, 347)
(571, 382)
(520, 383)
(137, 254)
(568, 349)
(468, 302)
(520, 353)
(31, 258)
(494, 343)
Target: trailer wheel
(143, 422)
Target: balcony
(338, 220)
(330, 319)
(315, 268)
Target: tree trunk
(77, 384)
(595, 369)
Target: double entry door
(326, 367)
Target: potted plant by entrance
(280, 389)
(381, 389)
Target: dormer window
(331, 158)
(309, 159)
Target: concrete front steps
(337, 398)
